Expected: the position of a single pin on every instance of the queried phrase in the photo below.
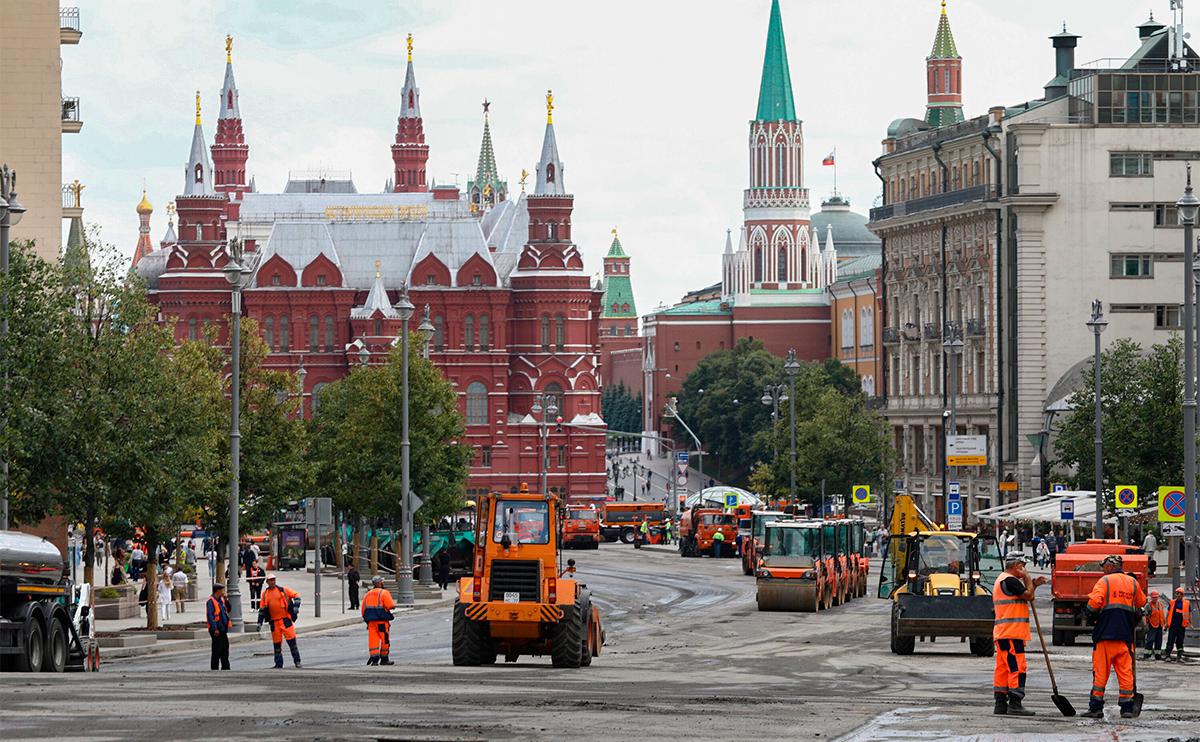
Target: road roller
(792, 574)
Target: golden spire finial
(197, 108)
(614, 232)
(377, 265)
(410, 47)
(144, 206)
(76, 188)
(524, 175)
(228, 49)
(549, 106)
(943, 7)
(170, 212)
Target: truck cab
(752, 545)
(697, 528)
(581, 528)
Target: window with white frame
(847, 328)
(866, 327)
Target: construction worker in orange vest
(1155, 620)
(1116, 602)
(377, 609)
(280, 605)
(1011, 594)
(1179, 617)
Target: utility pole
(1097, 324)
(1188, 206)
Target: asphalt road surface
(688, 656)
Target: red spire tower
(144, 245)
(944, 72)
(410, 152)
(229, 149)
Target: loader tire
(585, 611)
(469, 644)
(982, 647)
(901, 644)
(566, 638)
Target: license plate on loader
(512, 597)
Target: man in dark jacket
(1116, 603)
(353, 580)
(218, 627)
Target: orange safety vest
(1187, 613)
(1012, 614)
(1115, 591)
(275, 602)
(1154, 619)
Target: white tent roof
(715, 497)
(1048, 509)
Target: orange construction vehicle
(837, 544)
(858, 555)
(752, 544)
(792, 574)
(1076, 571)
(621, 520)
(697, 528)
(581, 528)
(516, 601)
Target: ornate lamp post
(772, 396)
(425, 566)
(792, 369)
(1097, 324)
(10, 214)
(952, 346)
(546, 406)
(238, 276)
(1188, 206)
(404, 576)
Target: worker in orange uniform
(1116, 603)
(279, 606)
(1011, 594)
(1155, 620)
(377, 612)
(1179, 617)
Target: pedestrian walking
(1115, 602)
(211, 555)
(718, 544)
(1155, 620)
(137, 564)
(190, 555)
(881, 537)
(217, 615)
(280, 607)
(254, 581)
(1179, 617)
(1043, 553)
(352, 581)
(1150, 545)
(377, 607)
(1011, 596)
(441, 567)
(246, 560)
(1004, 543)
(179, 583)
(1052, 548)
(164, 596)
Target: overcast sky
(652, 97)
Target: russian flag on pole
(829, 158)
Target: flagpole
(835, 190)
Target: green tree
(1141, 416)
(621, 410)
(356, 433)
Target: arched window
(560, 332)
(378, 327)
(412, 99)
(847, 328)
(284, 343)
(758, 264)
(193, 329)
(555, 392)
(780, 163)
(316, 395)
(477, 403)
(866, 327)
(329, 333)
(783, 265)
(439, 334)
(485, 333)
(469, 333)
(229, 99)
(314, 334)
(550, 229)
(199, 173)
(545, 333)
(269, 331)
(550, 172)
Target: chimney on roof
(1064, 62)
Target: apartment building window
(485, 457)
(1166, 215)
(1166, 317)
(1132, 266)
(1130, 164)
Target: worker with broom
(1116, 603)
(1013, 591)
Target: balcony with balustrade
(69, 30)
(72, 119)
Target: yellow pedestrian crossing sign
(1127, 496)
(861, 494)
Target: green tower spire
(486, 189)
(775, 93)
(943, 43)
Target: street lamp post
(425, 565)
(10, 214)
(673, 411)
(1188, 207)
(1097, 324)
(952, 346)
(792, 369)
(237, 275)
(546, 407)
(772, 396)
(404, 576)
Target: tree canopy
(620, 409)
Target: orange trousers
(279, 632)
(1009, 677)
(379, 638)
(1112, 654)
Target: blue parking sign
(954, 507)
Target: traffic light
(558, 424)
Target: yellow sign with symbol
(1127, 496)
(1171, 504)
(861, 494)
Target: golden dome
(144, 206)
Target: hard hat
(1153, 593)
(270, 576)
(376, 580)
(1014, 557)
(1114, 560)
(1179, 590)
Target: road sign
(414, 502)
(954, 523)
(1172, 528)
(1171, 504)
(1066, 509)
(681, 467)
(731, 500)
(1058, 487)
(954, 488)
(1127, 496)
(861, 494)
(1008, 486)
(966, 450)
(681, 480)
(954, 507)
(681, 457)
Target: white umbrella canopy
(1048, 509)
(715, 497)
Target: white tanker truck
(45, 619)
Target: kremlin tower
(944, 78)
(229, 150)
(486, 189)
(144, 245)
(410, 153)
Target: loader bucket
(787, 595)
(945, 615)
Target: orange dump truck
(697, 528)
(1076, 571)
(621, 520)
(581, 528)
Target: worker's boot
(1016, 709)
(372, 661)
(385, 661)
(1094, 711)
(1127, 710)
(1146, 655)
(1001, 704)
